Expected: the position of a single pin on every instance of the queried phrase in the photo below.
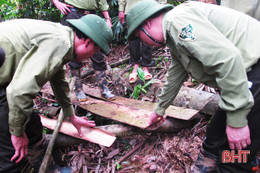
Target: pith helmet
(142, 11)
(96, 29)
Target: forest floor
(171, 152)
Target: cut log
(90, 134)
(192, 98)
(65, 140)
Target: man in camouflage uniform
(74, 9)
(36, 52)
(217, 46)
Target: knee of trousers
(37, 151)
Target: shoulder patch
(187, 33)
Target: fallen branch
(131, 152)
(169, 125)
(65, 140)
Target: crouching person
(218, 47)
(36, 52)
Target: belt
(85, 12)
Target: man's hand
(20, 144)
(107, 17)
(109, 22)
(238, 138)
(155, 121)
(81, 121)
(121, 17)
(64, 8)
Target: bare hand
(109, 22)
(155, 121)
(238, 138)
(63, 7)
(121, 17)
(20, 144)
(108, 19)
(81, 121)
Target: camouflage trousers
(140, 53)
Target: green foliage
(119, 29)
(141, 74)
(46, 130)
(45, 10)
(176, 2)
(113, 8)
(138, 88)
(118, 166)
(34, 9)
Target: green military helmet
(96, 29)
(142, 11)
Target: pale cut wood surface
(90, 134)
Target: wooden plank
(94, 135)
(133, 112)
(119, 112)
(173, 111)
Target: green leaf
(118, 166)
(141, 74)
(7, 3)
(130, 71)
(142, 89)
(166, 60)
(148, 83)
(137, 91)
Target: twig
(98, 166)
(124, 49)
(118, 63)
(131, 152)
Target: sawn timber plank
(172, 111)
(94, 135)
